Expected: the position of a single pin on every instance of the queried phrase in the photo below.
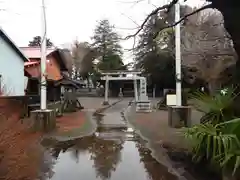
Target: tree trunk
(212, 87)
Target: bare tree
(83, 57)
(207, 49)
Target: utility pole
(43, 59)
(43, 119)
(178, 56)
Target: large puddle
(112, 152)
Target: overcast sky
(68, 20)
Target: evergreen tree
(152, 55)
(106, 40)
(37, 41)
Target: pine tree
(37, 41)
(107, 41)
(151, 53)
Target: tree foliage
(107, 43)
(207, 49)
(37, 41)
(228, 8)
(155, 55)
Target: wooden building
(55, 66)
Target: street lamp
(43, 60)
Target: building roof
(13, 45)
(31, 63)
(60, 58)
(67, 81)
(119, 72)
(35, 52)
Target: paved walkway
(93, 103)
(154, 127)
(112, 116)
(77, 124)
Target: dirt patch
(71, 126)
(70, 121)
(20, 152)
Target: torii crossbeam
(141, 99)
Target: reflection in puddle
(113, 154)
(96, 134)
(130, 130)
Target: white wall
(12, 70)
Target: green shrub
(216, 108)
(220, 143)
(217, 138)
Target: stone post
(135, 88)
(43, 120)
(106, 91)
(179, 116)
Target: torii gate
(141, 98)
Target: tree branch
(154, 12)
(168, 6)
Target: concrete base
(143, 106)
(179, 116)
(43, 120)
(105, 103)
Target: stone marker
(179, 116)
(43, 120)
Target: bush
(220, 144)
(217, 139)
(216, 108)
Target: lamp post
(178, 56)
(43, 60)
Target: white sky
(68, 20)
